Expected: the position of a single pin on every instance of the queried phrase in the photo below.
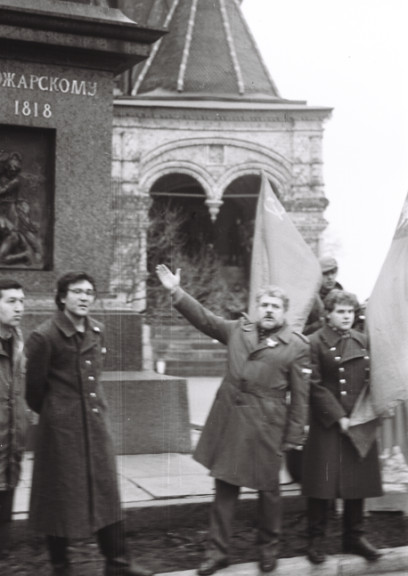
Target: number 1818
(27, 108)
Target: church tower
(194, 126)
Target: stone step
(178, 343)
(179, 329)
(194, 355)
(192, 368)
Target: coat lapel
(250, 335)
(64, 324)
(251, 339)
(355, 349)
(90, 335)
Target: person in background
(74, 489)
(332, 466)
(251, 421)
(13, 410)
(330, 270)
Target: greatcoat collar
(65, 325)
(250, 332)
(333, 339)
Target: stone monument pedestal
(149, 412)
(59, 59)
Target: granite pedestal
(58, 62)
(149, 412)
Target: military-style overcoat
(13, 412)
(74, 488)
(252, 416)
(332, 467)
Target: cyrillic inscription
(48, 84)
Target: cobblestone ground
(166, 550)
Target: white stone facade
(215, 143)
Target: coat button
(92, 395)
(88, 362)
(95, 410)
(341, 369)
(338, 358)
(91, 378)
(342, 381)
(343, 393)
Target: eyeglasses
(79, 292)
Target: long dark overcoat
(332, 466)
(13, 413)
(74, 488)
(251, 417)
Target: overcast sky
(350, 55)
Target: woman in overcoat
(74, 488)
(333, 468)
(259, 411)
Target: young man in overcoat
(74, 489)
(333, 468)
(13, 409)
(252, 420)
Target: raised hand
(169, 280)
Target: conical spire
(209, 52)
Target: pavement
(159, 480)
(157, 487)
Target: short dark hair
(64, 282)
(9, 284)
(273, 292)
(336, 296)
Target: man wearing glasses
(74, 490)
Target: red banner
(387, 323)
(280, 256)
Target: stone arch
(163, 168)
(236, 218)
(268, 156)
(180, 227)
(181, 156)
(183, 198)
(280, 184)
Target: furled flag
(281, 256)
(387, 322)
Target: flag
(363, 423)
(387, 327)
(280, 256)
(387, 324)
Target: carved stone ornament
(213, 207)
